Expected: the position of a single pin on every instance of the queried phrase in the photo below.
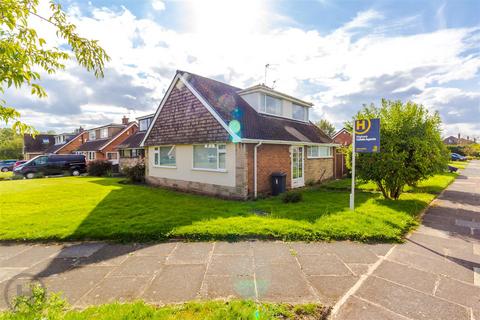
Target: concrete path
(431, 276)
(435, 274)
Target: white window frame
(263, 104)
(91, 155)
(92, 135)
(305, 110)
(318, 156)
(156, 151)
(219, 151)
(103, 133)
(109, 153)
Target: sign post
(366, 139)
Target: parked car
(55, 164)
(18, 163)
(457, 157)
(7, 165)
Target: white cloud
(158, 5)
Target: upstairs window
(271, 105)
(209, 156)
(319, 152)
(91, 135)
(144, 124)
(299, 113)
(103, 133)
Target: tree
(24, 54)
(326, 126)
(411, 147)
(11, 144)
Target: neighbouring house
(35, 146)
(458, 140)
(342, 137)
(213, 138)
(102, 142)
(130, 151)
(67, 143)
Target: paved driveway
(431, 276)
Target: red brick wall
(344, 138)
(75, 144)
(270, 158)
(184, 120)
(112, 146)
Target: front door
(297, 167)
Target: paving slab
(283, 283)
(8, 273)
(190, 253)
(358, 309)
(8, 250)
(161, 249)
(115, 289)
(231, 265)
(139, 266)
(241, 248)
(80, 250)
(310, 248)
(109, 255)
(331, 288)
(273, 253)
(176, 283)
(408, 276)
(240, 287)
(328, 264)
(459, 292)
(410, 303)
(31, 256)
(352, 252)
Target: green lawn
(77, 208)
(5, 175)
(212, 310)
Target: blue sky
(337, 54)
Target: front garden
(79, 208)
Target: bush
(99, 168)
(136, 173)
(292, 197)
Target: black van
(53, 164)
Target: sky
(338, 55)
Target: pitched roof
(39, 144)
(133, 141)
(230, 106)
(93, 145)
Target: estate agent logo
(367, 135)
(20, 285)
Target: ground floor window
(319, 152)
(91, 155)
(164, 156)
(132, 153)
(209, 156)
(112, 156)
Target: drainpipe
(255, 169)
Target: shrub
(136, 173)
(99, 168)
(292, 197)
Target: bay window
(209, 156)
(164, 156)
(319, 152)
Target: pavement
(431, 276)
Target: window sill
(167, 167)
(210, 170)
(326, 157)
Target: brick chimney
(125, 120)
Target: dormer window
(299, 112)
(271, 105)
(103, 133)
(144, 124)
(91, 135)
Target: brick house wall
(270, 158)
(184, 120)
(318, 170)
(113, 145)
(73, 145)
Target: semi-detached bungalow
(213, 138)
